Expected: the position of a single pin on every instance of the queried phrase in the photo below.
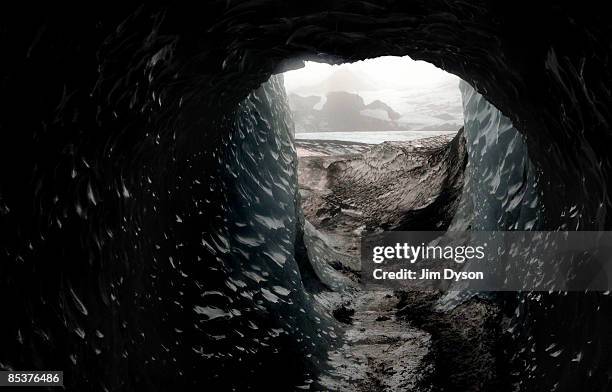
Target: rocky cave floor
(392, 340)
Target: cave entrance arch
(467, 40)
(135, 105)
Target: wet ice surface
(379, 352)
(372, 137)
(317, 147)
(375, 351)
(500, 189)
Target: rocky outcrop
(341, 112)
(299, 104)
(393, 186)
(380, 105)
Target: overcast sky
(385, 72)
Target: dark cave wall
(134, 257)
(109, 116)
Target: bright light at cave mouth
(374, 100)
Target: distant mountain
(380, 105)
(339, 104)
(298, 103)
(342, 111)
(343, 79)
(444, 116)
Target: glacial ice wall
(561, 336)
(500, 187)
(255, 308)
(191, 281)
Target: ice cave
(152, 231)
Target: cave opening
(152, 236)
(371, 138)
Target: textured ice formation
(500, 189)
(501, 192)
(260, 310)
